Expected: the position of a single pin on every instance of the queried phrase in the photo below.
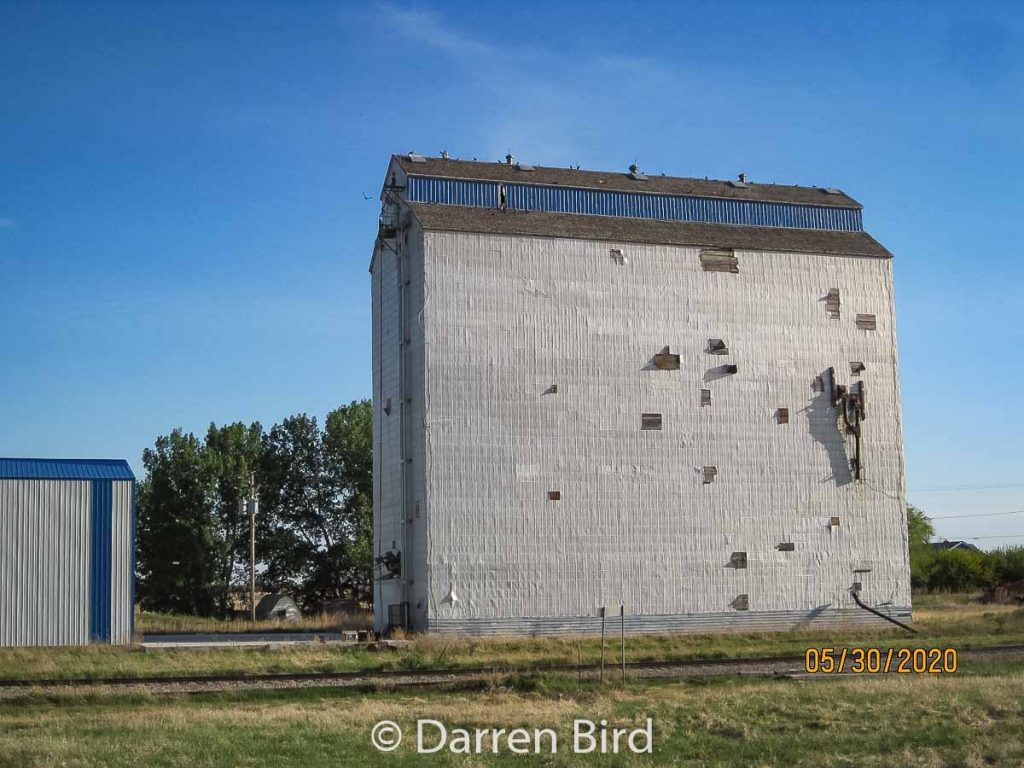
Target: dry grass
(892, 721)
(149, 623)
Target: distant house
(946, 544)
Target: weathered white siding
(399, 438)
(44, 562)
(507, 317)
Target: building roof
(65, 469)
(455, 218)
(946, 544)
(623, 182)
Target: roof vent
(740, 183)
(831, 191)
(634, 173)
(444, 154)
(509, 159)
(414, 158)
(524, 167)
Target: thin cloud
(8, 223)
(428, 28)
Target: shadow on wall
(823, 423)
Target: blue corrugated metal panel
(477, 194)
(526, 197)
(65, 469)
(100, 559)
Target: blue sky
(184, 235)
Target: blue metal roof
(65, 469)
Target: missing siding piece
(729, 369)
(738, 560)
(719, 260)
(666, 361)
(741, 603)
(705, 397)
(857, 368)
(866, 322)
(717, 347)
(618, 257)
(554, 495)
(650, 421)
(832, 304)
(552, 390)
(709, 475)
(782, 415)
(834, 522)
(786, 546)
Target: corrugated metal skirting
(527, 197)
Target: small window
(817, 384)
(650, 421)
(709, 475)
(738, 560)
(857, 368)
(834, 522)
(554, 495)
(717, 347)
(866, 322)
(705, 397)
(741, 603)
(786, 546)
(832, 304)
(387, 407)
(666, 361)
(618, 257)
(782, 415)
(719, 260)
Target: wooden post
(622, 636)
(602, 643)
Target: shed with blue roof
(67, 554)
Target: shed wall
(53, 588)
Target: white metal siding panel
(44, 562)
(506, 317)
(121, 565)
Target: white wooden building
(598, 389)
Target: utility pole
(253, 506)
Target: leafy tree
(919, 532)
(960, 570)
(348, 455)
(177, 540)
(1009, 564)
(233, 453)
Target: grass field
(150, 623)
(942, 621)
(970, 719)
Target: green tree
(1009, 564)
(919, 532)
(233, 453)
(177, 539)
(348, 455)
(960, 570)
(317, 505)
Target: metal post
(602, 643)
(622, 636)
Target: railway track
(681, 669)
